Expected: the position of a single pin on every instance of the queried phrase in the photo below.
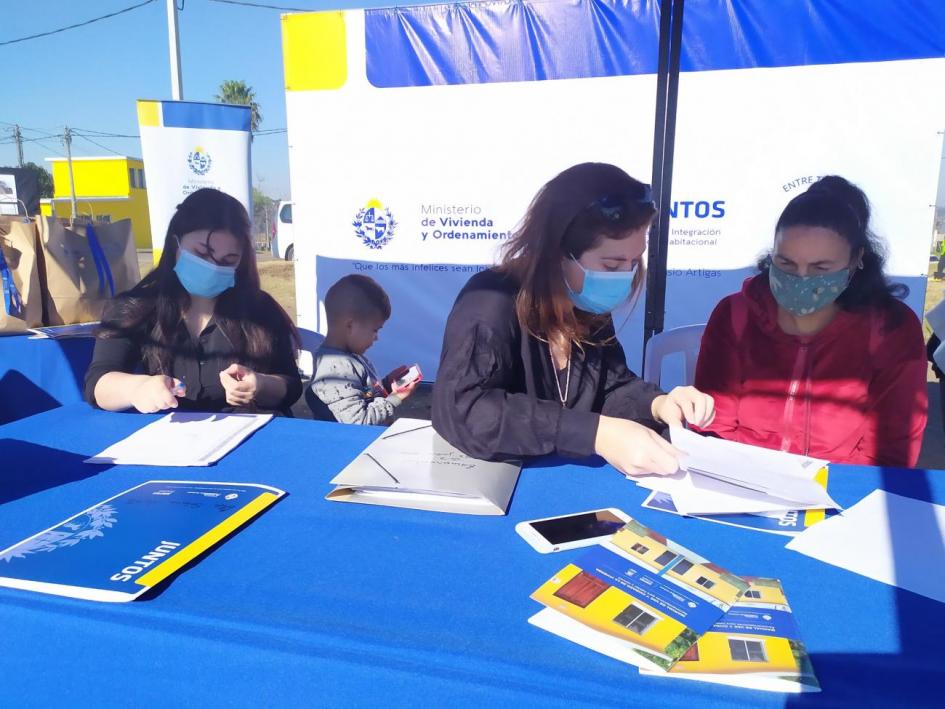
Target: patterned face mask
(803, 295)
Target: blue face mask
(803, 295)
(203, 278)
(603, 290)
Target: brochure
(756, 645)
(121, 547)
(788, 523)
(652, 596)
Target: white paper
(887, 537)
(183, 439)
(724, 477)
(570, 629)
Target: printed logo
(90, 525)
(231, 496)
(374, 225)
(199, 161)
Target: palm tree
(242, 94)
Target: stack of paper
(183, 439)
(639, 596)
(410, 465)
(644, 600)
(725, 478)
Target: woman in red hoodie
(817, 354)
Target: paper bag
(84, 265)
(21, 300)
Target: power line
(79, 24)
(101, 134)
(262, 6)
(86, 138)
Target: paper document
(410, 465)
(183, 439)
(755, 645)
(652, 596)
(118, 549)
(789, 523)
(887, 537)
(724, 477)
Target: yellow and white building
(106, 188)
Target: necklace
(562, 396)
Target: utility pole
(173, 42)
(18, 137)
(67, 142)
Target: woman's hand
(684, 404)
(240, 384)
(634, 449)
(156, 393)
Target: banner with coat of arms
(187, 146)
(418, 136)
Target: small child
(345, 385)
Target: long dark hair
(835, 203)
(152, 310)
(572, 213)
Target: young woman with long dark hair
(817, 354)
(531, 364)
(197, 333)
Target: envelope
(409, 465)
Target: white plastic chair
(686, 339)
(311, 341)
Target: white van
(283, 241)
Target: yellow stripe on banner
(812, 517)
(314, 51)
(156, 255)
(204, 542)
(149, 113)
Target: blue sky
(90, 77)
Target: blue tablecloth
(321, 603)
(38, 375)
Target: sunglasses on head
(613, 207)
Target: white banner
(418, 137)
(187, 146)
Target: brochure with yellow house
(756, 645)
(648, 596)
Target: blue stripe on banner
(574, 39)
(745, 34)
(510, 41)
(184, 114)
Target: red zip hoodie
(853, 393)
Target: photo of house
(679, 565)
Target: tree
(43, 178)
(264, 212)
(241, 94)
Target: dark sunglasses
(613, 207)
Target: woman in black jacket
(531, 364)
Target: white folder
(410, 465)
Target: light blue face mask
(803, 295)
(203, 278)
(603, 290)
